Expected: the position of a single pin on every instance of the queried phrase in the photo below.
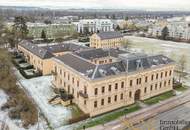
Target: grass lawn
(76, 112)
(181, 88)
(158, 98)
(110, 116)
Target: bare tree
(181, 67)
(125, 43)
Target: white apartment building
(155, 31)
(95, 25)
(177, 29)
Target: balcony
(54, 73)
(84, 95)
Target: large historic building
(106, 40)
(41, 57)
(104, 80)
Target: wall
(96, 42)
(128, 91)
(43, 65)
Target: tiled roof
(77, 63)
(109, 35)
(65, 47)
(93, 53)
(36, 50)
(123, 65)
(45, 52)
(99, 53)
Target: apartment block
(95, 25)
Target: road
(148, 113)
(180, 113)
(176, 109)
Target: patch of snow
(178, 92)
(30, 71)
(4, 114)
(16, 124)
(24, 65)
(3, 98)
(116, 127)
(40, 90)
(171, 49)
(173, 46)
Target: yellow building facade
(100, 88)
(36, 56)
(41, 57)
(106, 40)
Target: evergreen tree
(113, 16)
(165, 33)
(118, 28)
(43, 35)
(20, 29)
(107, 16)
(126, 18)
(47, 22)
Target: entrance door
(137, 95)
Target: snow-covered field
(40, 90)
(171, 49)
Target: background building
(51, 30)
(95, 25)
(54, 30)
(106, 40)
(178, 29)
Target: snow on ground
(178, 92)
(4, 114)
(171, 49)
(16, 124)
(40, 90)
(75, 41)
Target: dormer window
(139, 64)
(102, 72)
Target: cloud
(145, 4)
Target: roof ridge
(80, 58)
(93, 75)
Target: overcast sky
(124, 4)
